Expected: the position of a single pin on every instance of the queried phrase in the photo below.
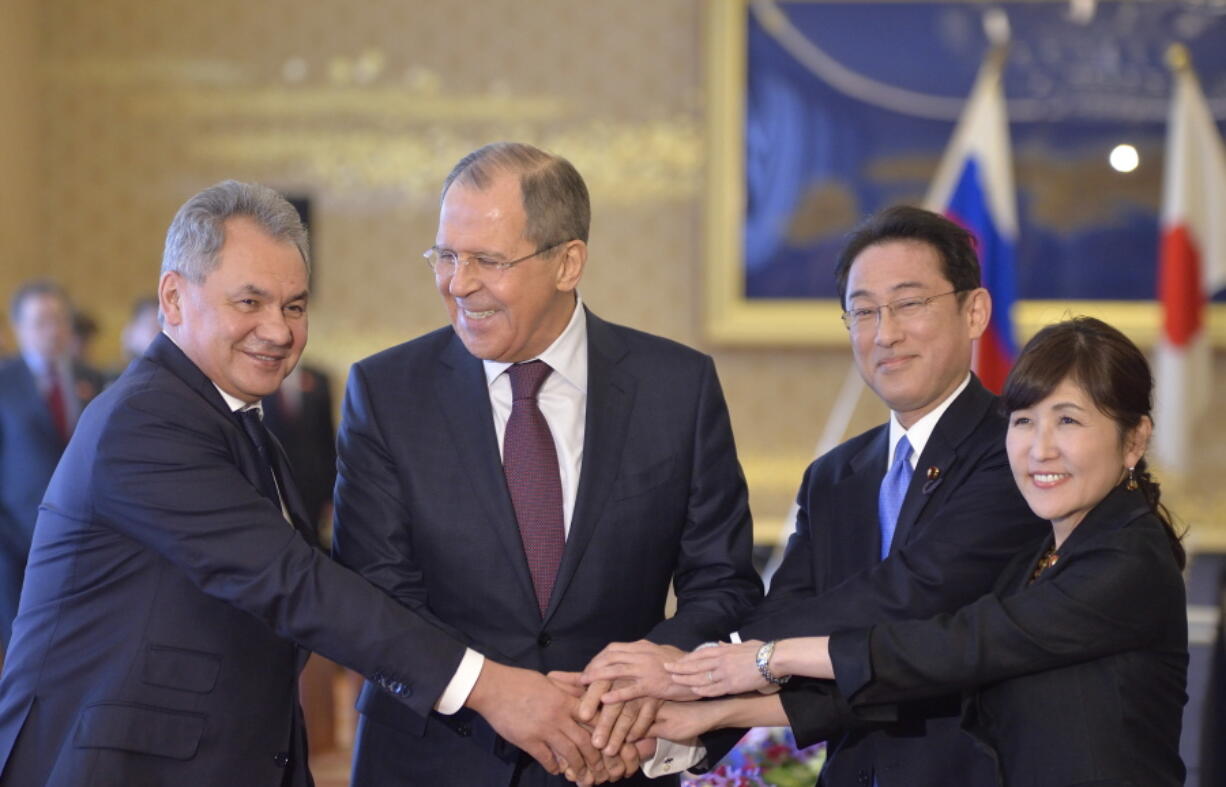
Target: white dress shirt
(563, 402)
(676, 756)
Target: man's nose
(464, 281)
(274, 328)
(889, 327)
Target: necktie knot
(902, 451)
(527, 378)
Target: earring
(1131, 486)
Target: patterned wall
(364, 108)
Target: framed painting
(823, 112)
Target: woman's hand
(714, 672)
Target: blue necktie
(893, 490)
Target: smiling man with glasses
(534, 479)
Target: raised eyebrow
(251, 289)
(1068, 406)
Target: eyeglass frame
(495, 267)
(850, 323)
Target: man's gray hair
(197, 233)
(555, 197)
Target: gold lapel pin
(934, 473)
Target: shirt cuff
(674, 757)
(462, 682)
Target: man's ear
(978, 310)
(170, 297)
(570, 271)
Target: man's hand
(535, 714)
(623, 722)
(638, 668)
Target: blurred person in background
(42, 392)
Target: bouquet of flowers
(766, 756)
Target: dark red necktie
(55, 402)
(530, 462)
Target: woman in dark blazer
(1074, 668)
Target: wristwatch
(763, 660)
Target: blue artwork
(849, 106)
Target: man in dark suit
(909, 281)
(42, 393)
(173, 586)
(532, 477)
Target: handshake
(601, 724)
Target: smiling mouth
(1044, 480)
(478, 315)
(893, 361)
(264, 358)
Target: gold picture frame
(730, 318)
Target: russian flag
(974, 187)
(1191, 266)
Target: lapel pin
(934, 473)
(934, 479)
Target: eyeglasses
(444, 262)
(902, 310)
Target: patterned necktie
(530, 462)
(259, 437)
(893, 490)
(57, 405)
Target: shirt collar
(235, 404)
(567, 356)
(921, 430)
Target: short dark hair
(954, 245)
(34, 288)
(1111, 370)
(555, 198)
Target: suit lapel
(166, 353)
(610, 400)
(855, 502)
(941, 452)
(291, 495)
(463, 398)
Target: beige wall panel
(19, 149)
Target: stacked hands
(610, 716)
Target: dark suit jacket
(958, 527)
(156, 639)
(30, 447)
(1081, 675)
(422, 510)
(309, 438)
